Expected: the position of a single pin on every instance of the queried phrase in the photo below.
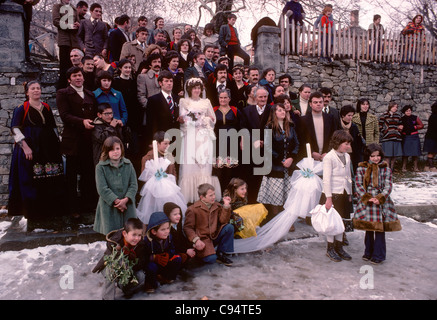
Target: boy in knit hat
(163, 264)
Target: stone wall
(350, 80)
(380, 83)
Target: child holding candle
(159, 175)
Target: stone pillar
(11, 36)
(267, 51)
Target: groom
(162, 111)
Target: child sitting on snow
(163, 264)
(127, 241)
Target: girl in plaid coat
(375, 212)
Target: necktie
(170, 104)
(221, 87)
(325, 109)
(94, 23)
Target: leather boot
(345, 240)
(330, 252)
(338, 246)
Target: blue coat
(297, 9)
(115, 99)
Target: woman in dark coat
(358, 143)
(430, 143)
(36, 180)
(227, 117)
(284, 147)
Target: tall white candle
(308, 150)
(155, 150)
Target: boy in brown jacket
(207, 226)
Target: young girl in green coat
(117, 186)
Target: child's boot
(330, 252)
(338, 245)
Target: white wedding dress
(306, 189)
(198, 145)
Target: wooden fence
(356, 44)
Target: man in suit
(316, 128)
(136, 47)
(147, 83)
(118, 37)
(93, 33)
(196, 70)
(217, 84)
(327, 97)
(162, 108)
(77, 108)
(256, 117)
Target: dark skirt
(392, 148)
(430, 146)
(411, 146)
(36, 187)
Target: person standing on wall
(229, 42)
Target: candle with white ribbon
(155, 150)
(308, 150)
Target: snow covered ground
(415, 189)
(289, 270)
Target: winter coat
(114, 183)
(133, 48)
(115, 239)
(337, 177)
(66, 37)
(282, 147)
(371, 127)
(73, 110)
(375, 181)
(101, 131)
(115, 99)
(155, 245)
(205, 224)
(388, 127)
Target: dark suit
(76, 144)
(159, 117)
(115, 42)
(335, 114)
(252, 121)
(212, 92)
(93, 38)
(192, 72)
(307, 133)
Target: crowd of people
(124, 101)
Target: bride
(198, 142)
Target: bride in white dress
(198, 141)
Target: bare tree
(403, 11)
